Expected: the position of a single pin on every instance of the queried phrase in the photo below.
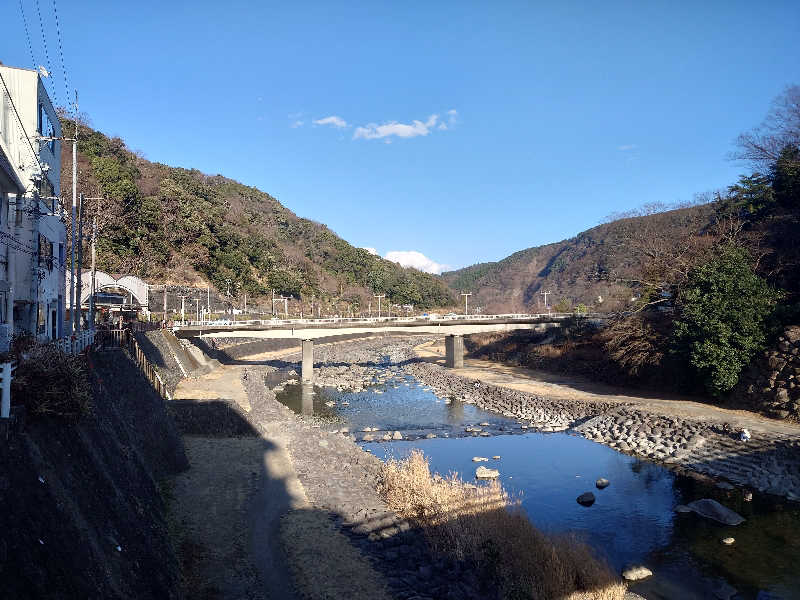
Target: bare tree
(781, 128)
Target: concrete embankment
(82, 513)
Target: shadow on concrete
(151, 351)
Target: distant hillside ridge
(594, 268)
(183, 227)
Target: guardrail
(371, 320)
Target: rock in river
(479, 459)
(484, 473)
(602, 483)
(586, 499)
(636, 573)
(711, 509)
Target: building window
(20, 209)
(45, 252)
(46, 128)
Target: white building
(32, 229)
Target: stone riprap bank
(772, 384)
(769, 462)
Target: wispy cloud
(388, 130)
(627, 147)
(373, 131)
(370, 250)
(333, 120)
(417, 260)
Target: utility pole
(72, 311)
(545, 294)
(94, 275)
(466, 298)
(197, 307)
(183, 308)
(379, 302)
(165, 305)
(208, 298)
(273, 303)
(79, 280)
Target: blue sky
(461, 130)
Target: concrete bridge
(454, 328)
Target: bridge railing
(371, 320)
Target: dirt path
(562, 387)
(226, 518)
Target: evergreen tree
(721, 322)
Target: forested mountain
(596, 267)
(181, 226)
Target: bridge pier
(454, 351)
(307, 368)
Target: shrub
(50, 382)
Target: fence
(6, 374)
(77, 342)
(124, 339)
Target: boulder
(728, 541)
(586, 499)
(711, 509)
(602, 483)
(484, 473)
(792, 334)
(397, 435)
(636, 573)
(479, 459)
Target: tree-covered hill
(594, 268)
(181, 226)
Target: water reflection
(410, 408)
(307, 399)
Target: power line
(27, 34)
(46, 53)
(61, 52)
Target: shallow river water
(633, 520)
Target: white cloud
(296, 124)
(333, 120)
(412, 258)
(373, 131)
(370, 250)
(626, 147)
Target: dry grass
(51, 383)
(486, 527)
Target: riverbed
(632, 521)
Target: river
(633, 520)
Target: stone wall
(772, 383)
